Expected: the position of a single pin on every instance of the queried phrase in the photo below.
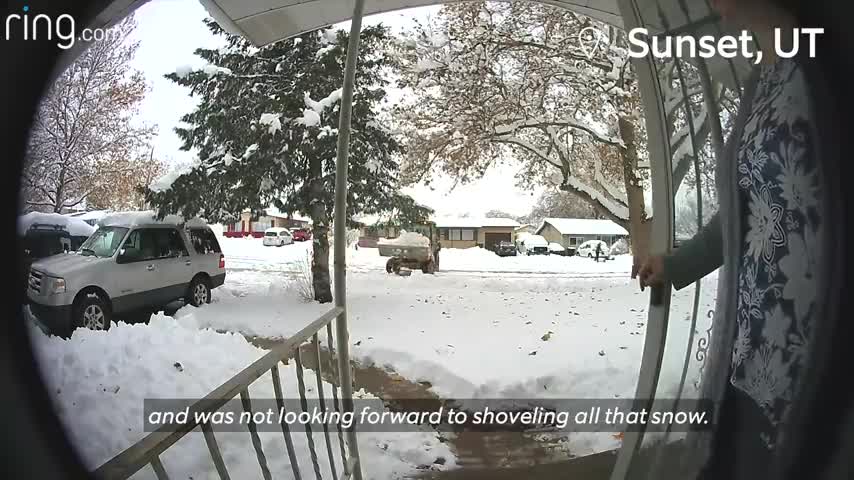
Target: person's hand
(651, 273)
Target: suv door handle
(188, 263)
(150, 268)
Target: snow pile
(311, 115)
(407, 238)
(165, 182)
(75, 226)
(98, 381)
(323, 51)
(183, 71)
(212, 70)
(330, 35)
(272, 121)
(309, 118)
(323, 104)
(535, 241)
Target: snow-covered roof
(272, 211)
(535, 241)
(475, 222)
(583, 226)
(93, 215)
(369, 220)
(74, 225)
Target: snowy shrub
(620, 247)
(303, 283)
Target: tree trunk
(639, 223)
(60, 191)
(320, 240)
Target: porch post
(340, 233)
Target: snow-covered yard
(483, 327)
(99, 380)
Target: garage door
(492, 239)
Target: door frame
(661, 238)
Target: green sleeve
(697, 257)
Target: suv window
(204, 241)
(170, 244)
(104, 242)
(154, 243)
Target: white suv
(125, 266)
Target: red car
(301, 235)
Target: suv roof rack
(48, 227)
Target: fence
(148, 450)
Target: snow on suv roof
(133, 219)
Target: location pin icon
(589, 39)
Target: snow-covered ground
(534, 327)
(483, 327)
(99, 380)
(248, 254)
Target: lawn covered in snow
(98, 381)
(534, 327)
(250, 254)
(483, 327)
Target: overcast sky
(170, 30)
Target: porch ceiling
(267, 21)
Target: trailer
(411, 250)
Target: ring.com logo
(39, 27)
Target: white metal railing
(148, 450)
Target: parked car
(124, 267)
(588, 249)
(505, 249)
(534, 245)
(277, 236)
(556, 249)
(43, 235)
(302, 235)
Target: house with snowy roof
(254, 225)
(467, 232)
(571, 232)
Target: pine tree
(266, 132)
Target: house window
(463, 234)
(573, 241)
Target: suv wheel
(200, 292)
(92, 313)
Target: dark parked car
(505, 249)
(44, 240)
